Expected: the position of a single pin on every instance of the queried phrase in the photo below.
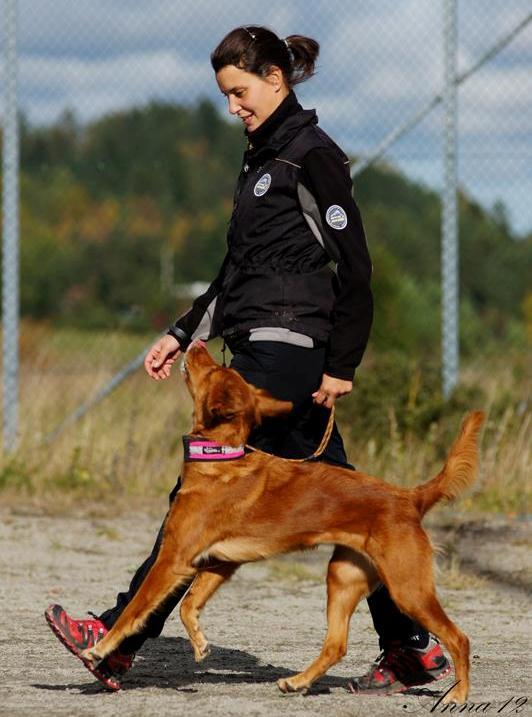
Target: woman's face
(251, 97)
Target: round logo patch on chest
(336, 217)
(262, 185)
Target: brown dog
(258, 505)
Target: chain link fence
(128, 160)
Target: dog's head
(226, 407)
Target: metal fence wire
(119, 105)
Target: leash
(319, 450)
(224, 349)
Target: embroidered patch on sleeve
(262, 185)
(336, 217)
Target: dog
(255, 506)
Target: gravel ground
(266, 623)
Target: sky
(380, 62)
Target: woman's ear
(275, 77)
(267, 406)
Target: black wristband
(184, 340)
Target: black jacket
(293, 216)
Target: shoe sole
(394, 689)
(428, 676)
(109, 683)
(398, 687)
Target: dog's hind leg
(205, 584)
(350, 577)
(405, 565)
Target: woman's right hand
(161, 356)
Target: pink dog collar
(196, 448)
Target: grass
(451, 576)
(108, 532)
(128, 447)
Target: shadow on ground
(168, 663)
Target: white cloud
(498, 105)
(93, 87)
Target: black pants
(291, 373)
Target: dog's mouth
(183, 368)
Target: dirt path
(267, 622)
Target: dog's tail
(459, 471)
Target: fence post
(449, 224)
(10, 231)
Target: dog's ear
(267, 406)
(222, 404)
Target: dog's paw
(202, 651)
(457, 695)
(288, 685)
(454, 699)
(90, 657)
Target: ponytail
(303, 53)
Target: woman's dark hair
(256, 49)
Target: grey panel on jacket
(277, 333)
(311, 212)
(203, 330)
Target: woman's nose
(233, 105)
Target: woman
(294, 326)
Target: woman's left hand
(331, 389)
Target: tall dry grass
(500, 386)
(129, 446)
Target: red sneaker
(399, 667)
(78, 635)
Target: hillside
(117, 212)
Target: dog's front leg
(189, 529)
(165, 575)
(205, 584)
